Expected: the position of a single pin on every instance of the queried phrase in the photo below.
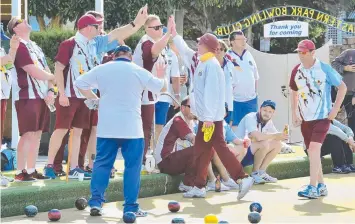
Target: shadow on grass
(317, 207)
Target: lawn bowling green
(279, 201)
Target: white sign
(264, 44)
(150, 163)
(287, 28)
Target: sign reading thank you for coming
(288, 28)
(294, 11)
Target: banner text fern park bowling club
(295, 11)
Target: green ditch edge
(61, 195)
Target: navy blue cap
(269, 103)
(122, 48)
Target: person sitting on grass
(339, 142)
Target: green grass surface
(59, 194)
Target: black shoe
(88, 169)
(60, 173)
(351, 168)
(96, 211)
(340, 170)
(346, 169)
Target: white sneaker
(184, 188)
(231, 184)
(211, 186)
(195, 192)
(268, 178)
(258, 179)
(286, 149)
(4, 182)
(9, 179)
(245, 186)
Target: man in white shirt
(230, 72)
(164, 101)
(121, 84)
(7, 67)
(266, 141)
(149, 51)
(245, 93)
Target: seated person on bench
(339, 142)
(265, 141)
(174, 149)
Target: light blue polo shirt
(103, 46)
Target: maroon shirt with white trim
(175, 129)
(25, 86)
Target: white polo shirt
(247, 74)
(251, 123)
(121, 84)
(143, 57)
(6, 78)
(172, 71)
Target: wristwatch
(132, 23)
(52, 90)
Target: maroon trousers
(60, 155)
(178, 163)
(203, 153)
(85, 135)
(147, 113)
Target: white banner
(287, 28)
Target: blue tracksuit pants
(132, 152)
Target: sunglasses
(156, 27)
(186, 106)
(17, 22)
(304, 53)
(222, 49)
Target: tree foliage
(60, 11)
(200, 15)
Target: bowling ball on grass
(31, 211)
(178, 220)
(174, 206)
(254, 217)
(81, 203)
(255, 207)
(54, 215)
(129, 217)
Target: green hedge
(49, 41)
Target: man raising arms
(75, 57)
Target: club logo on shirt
(250, 63)
(200, 74)
(169, 62)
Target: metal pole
(15, 12)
